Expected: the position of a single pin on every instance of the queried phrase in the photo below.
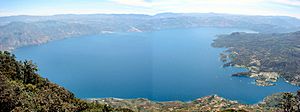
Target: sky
(151, 7)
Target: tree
(298, 100)
(30, 75)
(7, 102)
(288, 102)
(22, 89)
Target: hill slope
(23, 90)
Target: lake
(176, 64)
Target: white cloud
(287, 2)
(139, 3)
(246, 7)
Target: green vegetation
(288, 102)
(267, 56)
(22, 89)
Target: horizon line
(154, 14)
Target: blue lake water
(177, 64)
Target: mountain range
(20, 31)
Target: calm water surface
(176, 64)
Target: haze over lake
(177, 64)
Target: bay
(175, 64)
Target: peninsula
(266, 56)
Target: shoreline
(267, 82)
(206, 103)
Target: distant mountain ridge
(19, 31)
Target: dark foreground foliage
(288, 102)
(22, 89)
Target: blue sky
(246, 7)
